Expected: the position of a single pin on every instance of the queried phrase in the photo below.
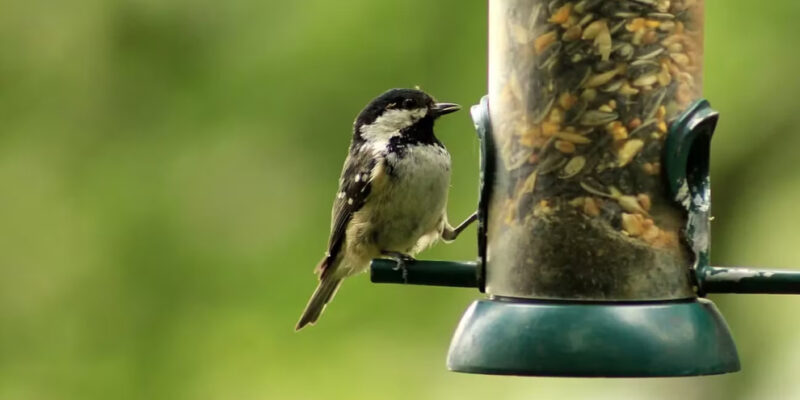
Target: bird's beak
(440, 109)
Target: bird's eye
(408, 103)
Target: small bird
(392, 192)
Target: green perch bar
(430, 273)
(748, 280)
(466, 274)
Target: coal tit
(392, 194)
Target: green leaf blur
(167, 170)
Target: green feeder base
(550, 338)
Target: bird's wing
(355, 184)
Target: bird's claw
(402, 260)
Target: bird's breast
(411, 199)
(420, 175)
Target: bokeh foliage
(167, 170)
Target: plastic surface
(749, 280)
(593, 339)
(483, 127)
(687, 151)
(581, 97)
(434, 273)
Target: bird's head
(400, 112)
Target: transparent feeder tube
(582, 94)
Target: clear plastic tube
(581, 97)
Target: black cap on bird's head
(397, 110)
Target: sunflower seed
(649, 52)
(573, 167)
(597, 118)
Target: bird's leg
(402, 259)
(449, 234)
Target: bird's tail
(322, 295)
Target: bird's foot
(449, 234)
(402, 260)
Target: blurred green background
(167, 170)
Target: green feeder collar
(592, 339)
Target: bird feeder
(593, 218)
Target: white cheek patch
(388, 125)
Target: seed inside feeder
(582, 94)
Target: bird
(392, 194)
